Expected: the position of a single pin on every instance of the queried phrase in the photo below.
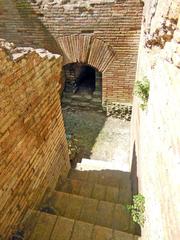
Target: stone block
(105, 214)
(89, 210)
(102, 233)
(44, 227)
(74, 206)
(86, 189)
(112, 194)
(99, 192)
(121, 218)
(82, 231)
(63, 229)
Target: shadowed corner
(134, 178)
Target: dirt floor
(92, 135)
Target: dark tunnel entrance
(86, 79)
(82, 85)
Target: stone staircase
(86, 100)
(88, 205)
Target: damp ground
(93, 135)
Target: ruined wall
(156, 131)
(117, 23)
(33, 148)
(20, 24)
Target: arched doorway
(82, 85)
(88, 50)
(85, 59)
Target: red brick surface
(116, 23)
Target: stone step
(51, 227)
(111, 178)
(71, 102)
(82, 97)
(97, 191)
(86, 100)
(96, 100)
(103, 213)
(97, 94)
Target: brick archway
(88, 50)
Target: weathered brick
(33, 145)
(116, 23)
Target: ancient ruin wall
(117, 23)
(33, 146)
(156, 131)
(20, 24)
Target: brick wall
(156, 131)
(116, 23)
(20, 24)
(33, 146)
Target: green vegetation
(142, 91)
(137, 209)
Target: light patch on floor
(112, 144)
(99, 137)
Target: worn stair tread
(91, 210)
(96, 190)
(29, 222)
(111, 178)
(50, 227)
(62, 229)
(44, 227)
